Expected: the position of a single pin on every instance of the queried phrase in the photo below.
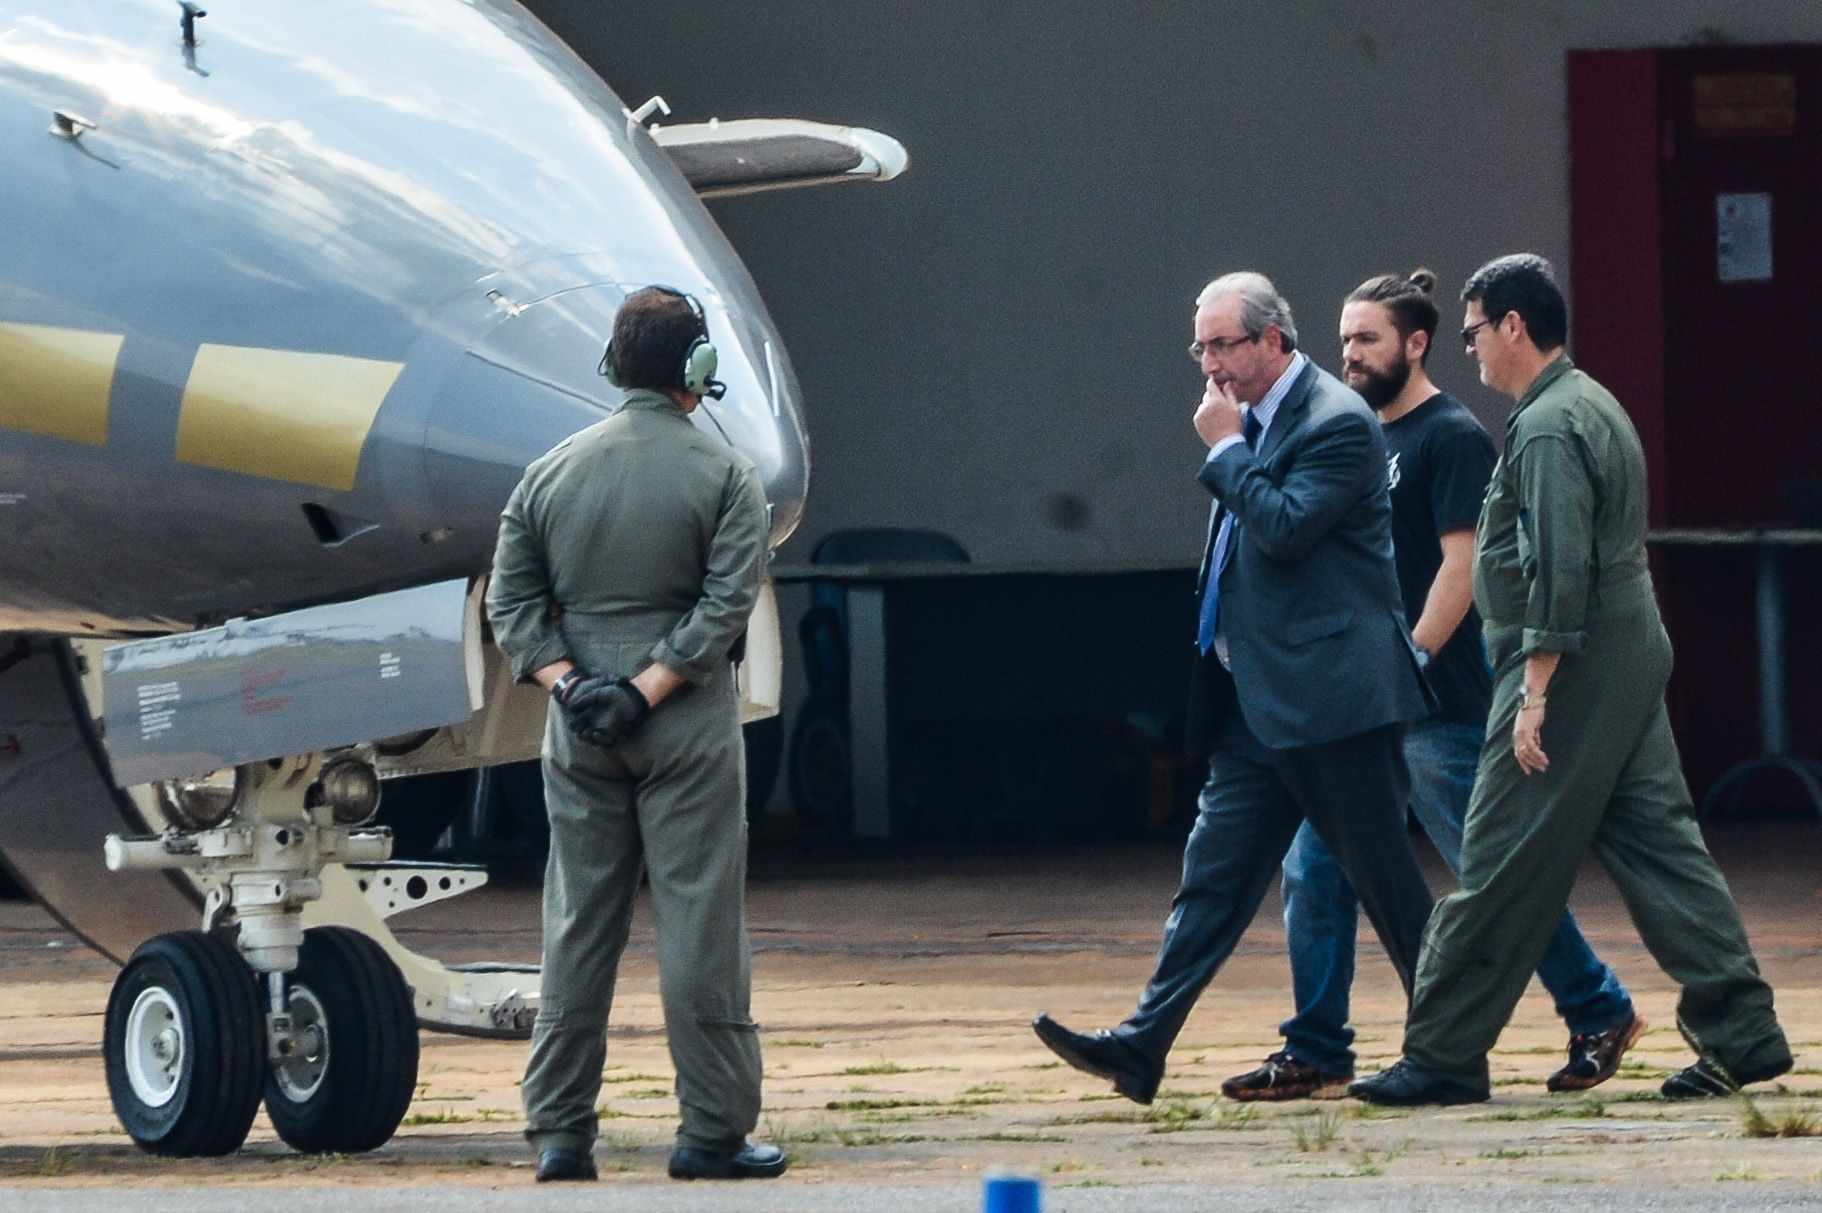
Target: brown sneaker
(1594, 1056)
(1284, 1077)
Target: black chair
(820, 755)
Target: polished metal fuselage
(287, 323)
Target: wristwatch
(560, 689)
(1527, 700)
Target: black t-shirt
(1438, 462)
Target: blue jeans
(1321, 918)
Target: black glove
(603, 711)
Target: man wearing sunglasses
(1304, 672)
(1579, 753)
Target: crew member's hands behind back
(604, 711)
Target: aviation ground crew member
(628, 562)
(1439, 459)
(1579, 751)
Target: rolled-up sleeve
(1556, 542)
(701, 640)
(519, 595)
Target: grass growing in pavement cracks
(1167, 1117)
(808, 1133)
(1581, 1109)
(449, 1116)
(1232, 1116)
(55, 1162)
(1318, 1136)
(1739, 1171)
(1373, 1111)
(876, 1105)
(1367, 1166)
(1640, 1069)
(872, 1137)
(1793, 1123)
(884, 1066)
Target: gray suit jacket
(1309, 599)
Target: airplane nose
(531, 379)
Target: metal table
(1771, 547)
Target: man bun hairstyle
(1407, 300)
(652, 332)
(1522, 283)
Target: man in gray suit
(1304, 672)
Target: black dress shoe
(1706, 1079)
(1403, 1085)
(559, 1165)
(748, 1162)
(1103, 1055)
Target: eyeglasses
(1220, 345)
(1469, 334)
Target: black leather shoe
(1103, 1055)
(748, 1162)
(1707, 1080)
(559, 1165)
(1403, 1085)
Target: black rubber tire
(372, 1028)
(224, 1056)
(820, 766)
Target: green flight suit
(1560, 567)
(640, 540)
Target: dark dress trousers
(1308, 723)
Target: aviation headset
(696, 373)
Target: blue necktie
(1223, 549)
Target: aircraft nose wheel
(185, 1043)
(154, 1053)
(352, 1066)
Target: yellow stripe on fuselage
(281, 414)
(55, 381)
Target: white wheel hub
(300, 1073)
(154, 1047)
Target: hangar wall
(993, 345)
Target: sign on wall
(1743, 237)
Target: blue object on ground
(1011, 1194)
